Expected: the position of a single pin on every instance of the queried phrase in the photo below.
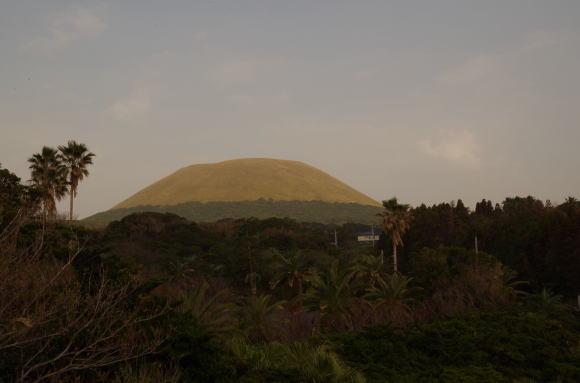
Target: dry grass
(247, 179)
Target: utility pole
(373, 234)
(335, 239)
(476, 247)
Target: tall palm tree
(76, 157)
(395, 221)
(48, 175)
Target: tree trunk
(253, 287)
(44, 212)
(252, 275)
(72, 193)
(317, 323)
(395, 268)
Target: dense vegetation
(539, 240)
(157, 298)
(303, 211)
(516, 344)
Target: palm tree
(290, 271)
(511, 283)
(258, 315)
(76, 157)
(330, 293)
(395, 221)
(182, 268)
(48, 175)
(370, 270)
(311, 363)
(392, 291)
(252, 278)
(391, 297)
(206, 308)
(548, 298)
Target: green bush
(506, 345)
(196, 350)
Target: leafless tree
(52, 325)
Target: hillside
(251, 187)
(248, 179)
(302, 211)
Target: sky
(429, 101)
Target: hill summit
(247, 179)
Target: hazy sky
(430, 101)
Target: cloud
(539, 40)
(66, 28)
(232, 74)
(471, 70)
(486, 65)
(132, 108)
(455, 146)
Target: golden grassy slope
(247, 179)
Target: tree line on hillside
(304, 211)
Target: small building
(368, 236)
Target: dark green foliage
(445, 263)
(500, 346)
(196, 349)
(11, 192)
(60, 241)
(158, 242)
(539, 241)
(273, 375)
(303, 211)
(15, 197)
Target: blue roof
(370, 233)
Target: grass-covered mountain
(251, 187)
